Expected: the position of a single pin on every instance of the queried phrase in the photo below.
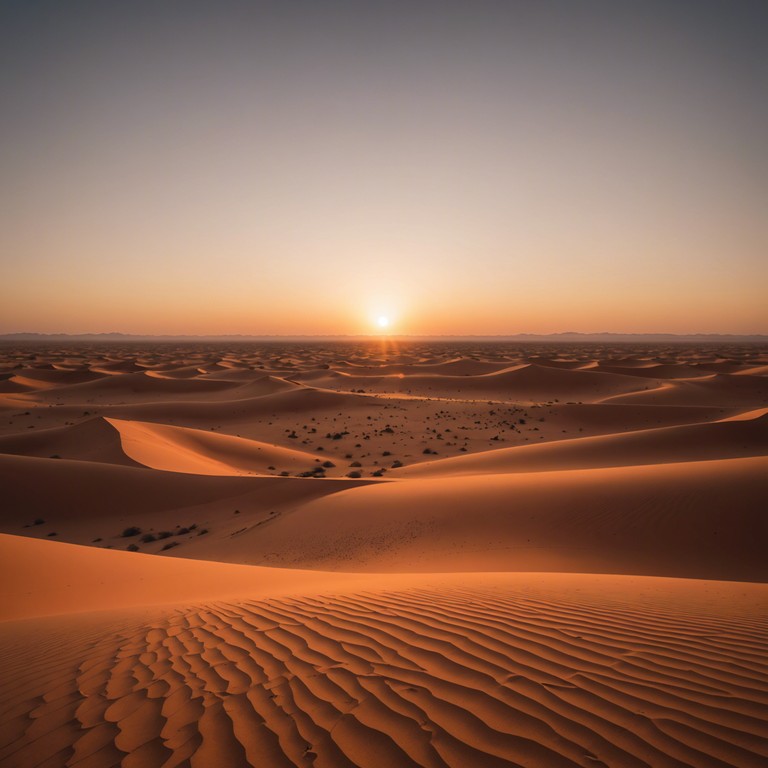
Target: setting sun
(383, 321)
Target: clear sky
(308, 166)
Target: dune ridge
(723, 439)
(194, 451)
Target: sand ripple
(478, 676)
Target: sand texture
(378, 554)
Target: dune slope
(80, 501)
(482, 670)
(673, 520)
(696, 442)
(195, 451)
(91, 440)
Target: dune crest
(735, 437)
(193, 451)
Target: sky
(309, 166)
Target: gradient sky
(304, 166)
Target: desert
(383, 553)
(383, 384)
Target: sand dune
(57, 376)
(152, 387)
(745, 391)
(118, 366)
(80, 579)
(177, 449)
(80, 500)
(88, 578)
(549, 362)
(682, 519)
(660, 371)
(603, 418)
(723, 366)
(676, 520)
(759, 370)
(458, 367)
(133, 385)
(541, 381)
(183, 372)
(500, 586)
(245, 375)
(290, 400)
(495, 670)
(12, 385)
(526, 383)
(29, 383)
(90, 440)
(694, 442)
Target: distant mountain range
(569, 336)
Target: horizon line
(559, 335)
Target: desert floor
(383, 554)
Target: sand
(545, 555)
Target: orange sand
(552, 556)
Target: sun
(383, 321)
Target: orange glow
(514, 176)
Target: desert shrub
(132, 530)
